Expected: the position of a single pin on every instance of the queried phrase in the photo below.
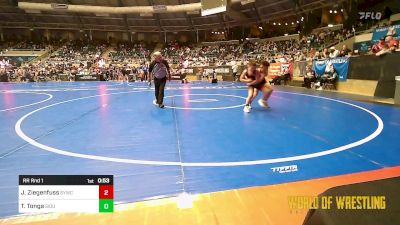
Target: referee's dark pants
(159, 85)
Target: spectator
(317, 56)
(235, 70)
(391, 31)
(345, 51)
(333, 52)
(325, 53)
(330, 75)
(384, 50)
(309, 77)
(392, 43)
(378, 46)
(284, 76)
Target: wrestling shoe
(246, 109)
(263, 103)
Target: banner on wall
(362, 47)
(178, 76)
(186, 71)
(218, 70)
(275, 69)
(341, 66)
(87, 77)
(182, 73)
(384, 31)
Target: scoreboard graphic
(66, 193)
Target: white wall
(363, 37)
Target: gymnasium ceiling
(259, 12)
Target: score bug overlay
(66, 193)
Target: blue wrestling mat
(201, 142)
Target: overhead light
(330, 11)
(335, 11)
(159, 8)
(31, 29)
(297, 21)
(59, 6)
(245, 2)
(274, 23)
(279, 24)
(215, 10)
(286, 24)
(286, 34)
(330, 25)
(81, 31)
(341, 10)
(260, 28)
(292, 23)
(302, 18)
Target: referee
(159, 69)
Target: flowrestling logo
(285, 169)
(331, 61)
(370, 15)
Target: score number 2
(106, 192)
